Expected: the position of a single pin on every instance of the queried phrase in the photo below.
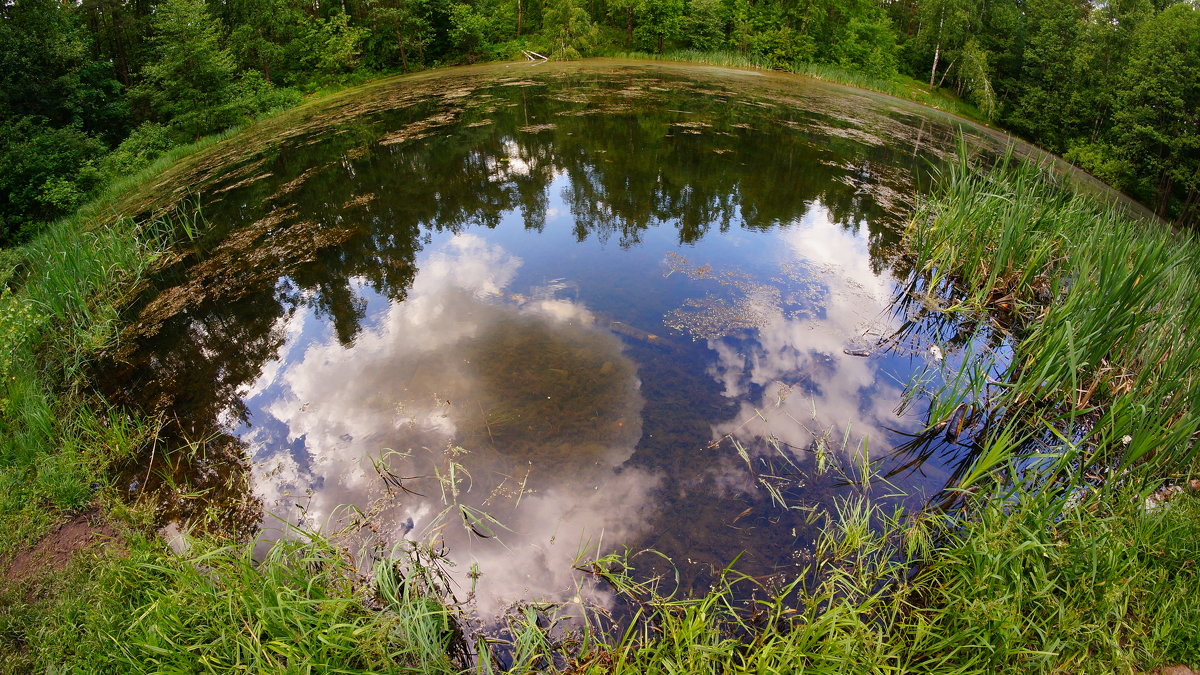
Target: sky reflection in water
(550, 310)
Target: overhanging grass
(1107, 317)
(1101, 586)
(1017, 583)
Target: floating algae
(421, 128)
(257, 254)
(747, 304)
(535, 128)
(291, 186)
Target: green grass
(216, 609)
(54, 441)
(1107, 320)
(1020, 578)
(1102, 587)
(1018, 583)
(900, 86)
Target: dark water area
(538, 314)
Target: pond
(536, 314)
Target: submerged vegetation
(93, 91)
(1062, 554)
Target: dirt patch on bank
(55, 550)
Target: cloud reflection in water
(527, 401)
(794, 372)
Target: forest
(93, 90)
(1019, 360)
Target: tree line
(91, 90)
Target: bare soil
(56, 550)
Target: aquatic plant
(900, 86)
(1103, 315)
(1101, 587)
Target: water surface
(535, 314)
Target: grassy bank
(1103, 312)
(59, 307)
(1017, 585)
(900, 86)
(1021, 578)
(60, 299)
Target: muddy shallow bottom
(534, 315)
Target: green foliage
(657, 22)
(1158, 116)
(781, 46)
(868, 46)
(704, 24)
(976, 81)
(1043, 110)
(469, 30)
(269, 36)
(46, 71)
(190, 76)
(569, 27)
(334, 44)
(403, 30)
(252, 96)
(1103, 161)
(44, 173)
(143, 145)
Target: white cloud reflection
(806, 384)
(420, 393)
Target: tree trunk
(947, 72)
(937, 53)
(1164, 194)
(628, 27)
(403, 53)
(520, 16)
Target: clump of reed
(1100, 586)
(1106, 320)
(59, 308)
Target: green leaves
(192, 71)
(569, 28)
(1158, 115)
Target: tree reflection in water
(396, 288)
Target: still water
(541, 313)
